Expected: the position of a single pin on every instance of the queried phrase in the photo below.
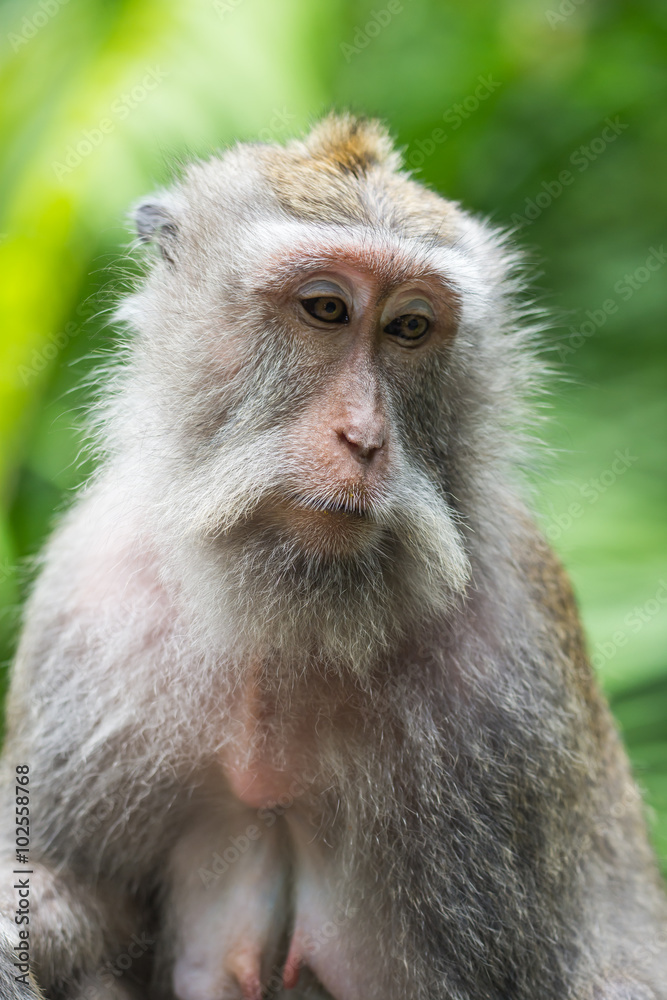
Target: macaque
(302, 706)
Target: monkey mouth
(338, 525)
(352, 505)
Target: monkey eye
(410, 328)
(327, 308)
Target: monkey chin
(329, 532)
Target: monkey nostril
(363, 447)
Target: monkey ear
(155, 223)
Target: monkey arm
(76, 738)
(69, 929)
(10, 989)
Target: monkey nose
(364, 444)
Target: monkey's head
(324, 371)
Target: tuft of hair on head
(331, 171)
(350, 144)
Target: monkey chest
(266, 763)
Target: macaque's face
(368, 324)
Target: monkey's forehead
(321, 190)
(280, 253)
(345, 171)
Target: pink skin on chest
(269, 913)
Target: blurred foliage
(504, 106)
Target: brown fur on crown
(351, 145)
(347, 170)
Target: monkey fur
(302, 690)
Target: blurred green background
(549, 116)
